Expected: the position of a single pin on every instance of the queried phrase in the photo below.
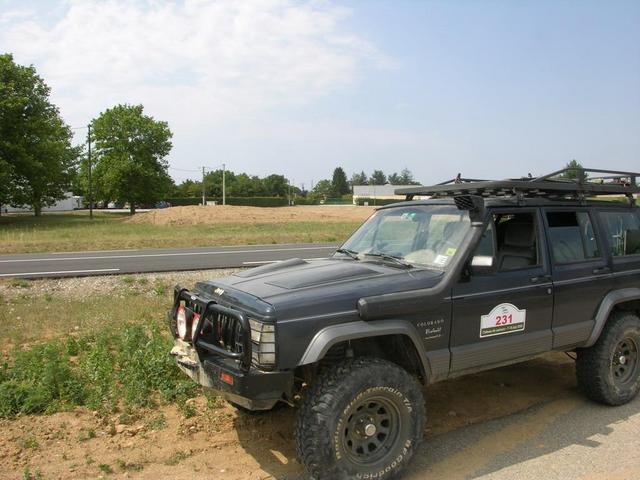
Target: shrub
(128, 366)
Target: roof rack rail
(571, 183)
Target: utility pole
(224, 193)
(90, 183)
(203, 190)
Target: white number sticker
(504, 318)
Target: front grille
(224, 332)
(221, 331)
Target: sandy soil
(221, 443)
(232, 214)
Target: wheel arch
(611, 301)
(333, 335)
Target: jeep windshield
(417, 235)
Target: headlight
(263, 338)
(194, 324)
(181, 320)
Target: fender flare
(606, 306)
(334, 334)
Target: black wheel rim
(371, 431)
(624, 364)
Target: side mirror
(481, 265)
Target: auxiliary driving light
(181, 320)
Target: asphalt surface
(65, 264)
(569, 438)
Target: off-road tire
(598, 368)
(336, 414)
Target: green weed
(126, 366)
(19, 283)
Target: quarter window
(572, 237)
(623, 231)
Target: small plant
(30, 442)
(105, 468)
(128, 280)
(143, 281)
(129, 467)
(86, 434)
(19, 283)
(28, 475)
(187, 409)
(177, 457)
(157, 423)
(159, 288)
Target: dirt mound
(195, 214)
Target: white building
(69, 203)
(378, 192)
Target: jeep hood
(300, 288)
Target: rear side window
(571, 236)
(623, 232)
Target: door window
(623, 232)
(572, 237)
(517, 240)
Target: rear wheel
(363, 418)
(609, 371)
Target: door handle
(599, 271)
(540, 279)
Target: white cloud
(193, 63)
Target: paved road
(568, 438)
(66, 264)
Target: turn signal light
(226, 378)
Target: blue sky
(487, 88)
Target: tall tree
(339, 183)
(131, 148)
(359, 179)
(378, 178)
(575, 173)
(37, 160)
(394, 179)
(406, 177)
(322, 190)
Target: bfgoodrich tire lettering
(362, 419)
(609, 372)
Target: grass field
(112, 231)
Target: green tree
(394, 179)
(378, 178)
(575, 173)
(37, 161)
(275, 186)
(406, 177)
(339, 183)
(359, 179)
(130, 149)
(322, 190)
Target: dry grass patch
(178, 227)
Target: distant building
(378, 192)
(69, 203)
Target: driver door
(505, 315)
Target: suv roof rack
(571, 183)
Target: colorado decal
(504, 318)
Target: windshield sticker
(450, 252)
(441, 260)
(504, 318)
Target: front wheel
(609, 371)
(363, 418)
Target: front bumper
(252, 389)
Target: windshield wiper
(392, 258)
(349, 253)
